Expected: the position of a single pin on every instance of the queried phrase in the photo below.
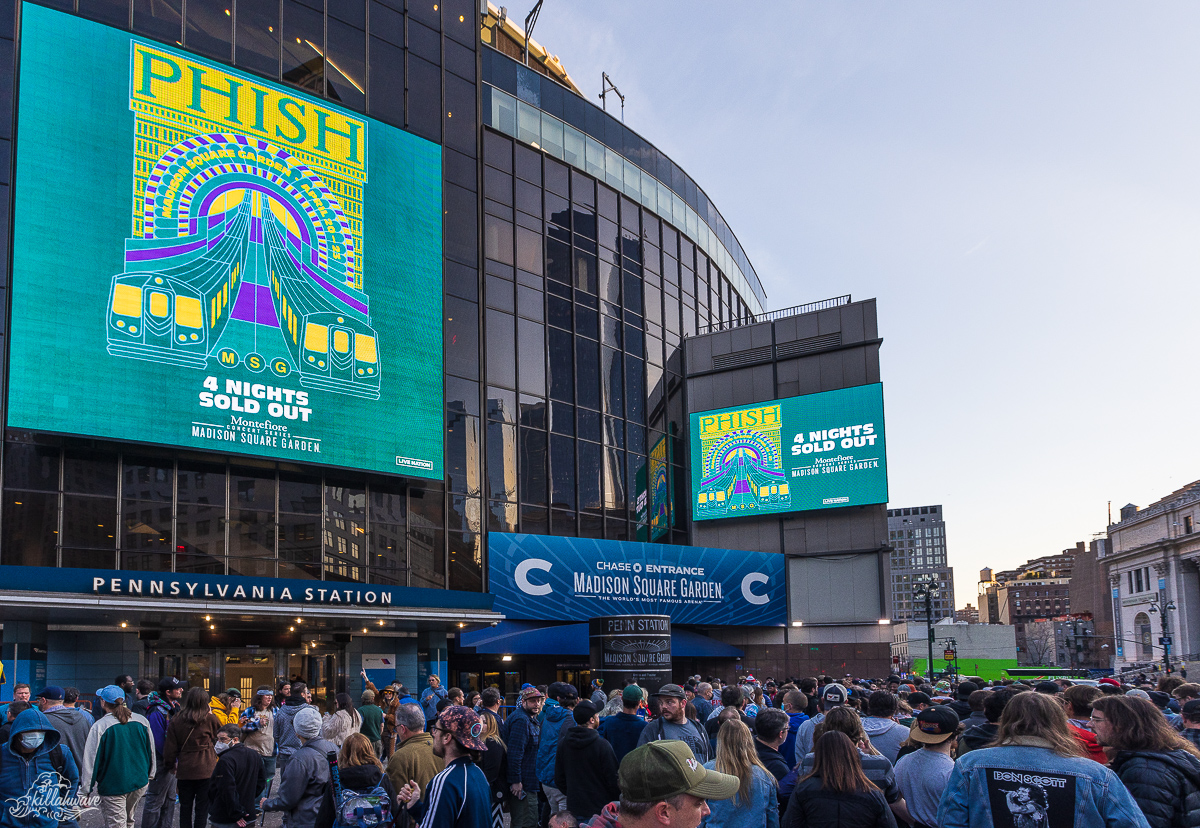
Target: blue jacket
(788, 748)
(430, 697)
(521, 733)
(553, 716)
(29, 792)
(760, 811)
(1033, 781)
(622, 730)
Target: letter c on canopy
(750, 580)
(521, 575)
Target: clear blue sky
(1017, 183)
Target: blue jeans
(269, 773)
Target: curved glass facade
(576, 258)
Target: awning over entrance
(532, 638)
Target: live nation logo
(49, 797)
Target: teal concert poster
(206, 259)
(817, 451)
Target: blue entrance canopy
(531, 638)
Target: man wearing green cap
(663, 786)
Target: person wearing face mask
(34, 748)
(236, 781)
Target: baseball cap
(531, 693)
(567, 691)
(1111, 681)
(632, 693)
(966, 688)
(233, 691)
(464, 725)
(584, 711)
(170, 683)
(917, 697)
(1138, 694)
(934, 725)
(665, 768)
(52, 692)
(1191, 707)
(671, 691)
(833, 694)
(368, 696)
(1047, 687)
(111, 694)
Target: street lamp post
(925, 591)
(1165, 641)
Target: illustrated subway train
(742, 484)
(176, 302)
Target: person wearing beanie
(585, 767)
(306, 774)
(372, 720)
(298, 699)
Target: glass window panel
(89, 522)
(251, 531)
(532, 355)
(209, 28)
(533, 411)
(635, 391)
(199, 564)
(387, 549)
(563, 523)
(534, 520)
(466, 560)
(462, 453)
(528, 198)
(497, 185)
(256, 568)
(588, 423)
(462, 395)
(501, 349)
(586, 272)
(614, 168)
(573, 147)
(28, 466)
(533, 466)
(502, 405)
(497, 239)
(636, 435)
(562, 471)
(462, 337)
(299, 570)
(562, 418)
(558, 261)
(146, 526)
(587, 322)
(299, 493)
(529, 124)
(593, 157)
(30, 529)
(614, 432)
(502, 517)
(148, 562)
(634, 465)
(530, 303)
(388, 502)
(560, 312)
(201, 483)
(426, 539)
(587, 371)
(502, 461)
(613, 382)
(529, 251)
(303, 46)
(347, 59)
(89, 472)
(386, 66)
(201, 530)
(591, 526)
(250, 491)
(299, 539)
(162, 19)
(257, 35)
(503, 112)
(614, 482)
(499, 293)
(558, 210)
(148, 479)
(552, 135)
(562, 374)
(112, 12)
(633, 293)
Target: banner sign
(662, 490)
(818, 451)
(206, 259)
(208, 588)
(536, 577)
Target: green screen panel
(818, 451)
(209, 260)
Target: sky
(1016, 184)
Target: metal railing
(771, 316)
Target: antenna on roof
(607, 86)
(530, 22)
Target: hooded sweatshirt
(119, 758)
(73, 725)
(22, 775)
(585, 769)
(886, 736)
(553, 717)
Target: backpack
(359, 809)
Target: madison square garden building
(338, 339)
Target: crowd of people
(808, 753)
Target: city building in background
(918, 539)
(968, 614)
(1069, 643)
(1150, 563)
(984, 650)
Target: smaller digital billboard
(817, 451)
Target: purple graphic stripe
(254, 305)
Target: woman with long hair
(258, 727)
(1160, 768)
(342, 721)
(836, 793)
(877, 767)
(118, 759)
(360, 769)
(756, 803)
(495, 767)
(189, 749)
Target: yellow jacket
(225, 715)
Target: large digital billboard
(209, 260)
(818, 451)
